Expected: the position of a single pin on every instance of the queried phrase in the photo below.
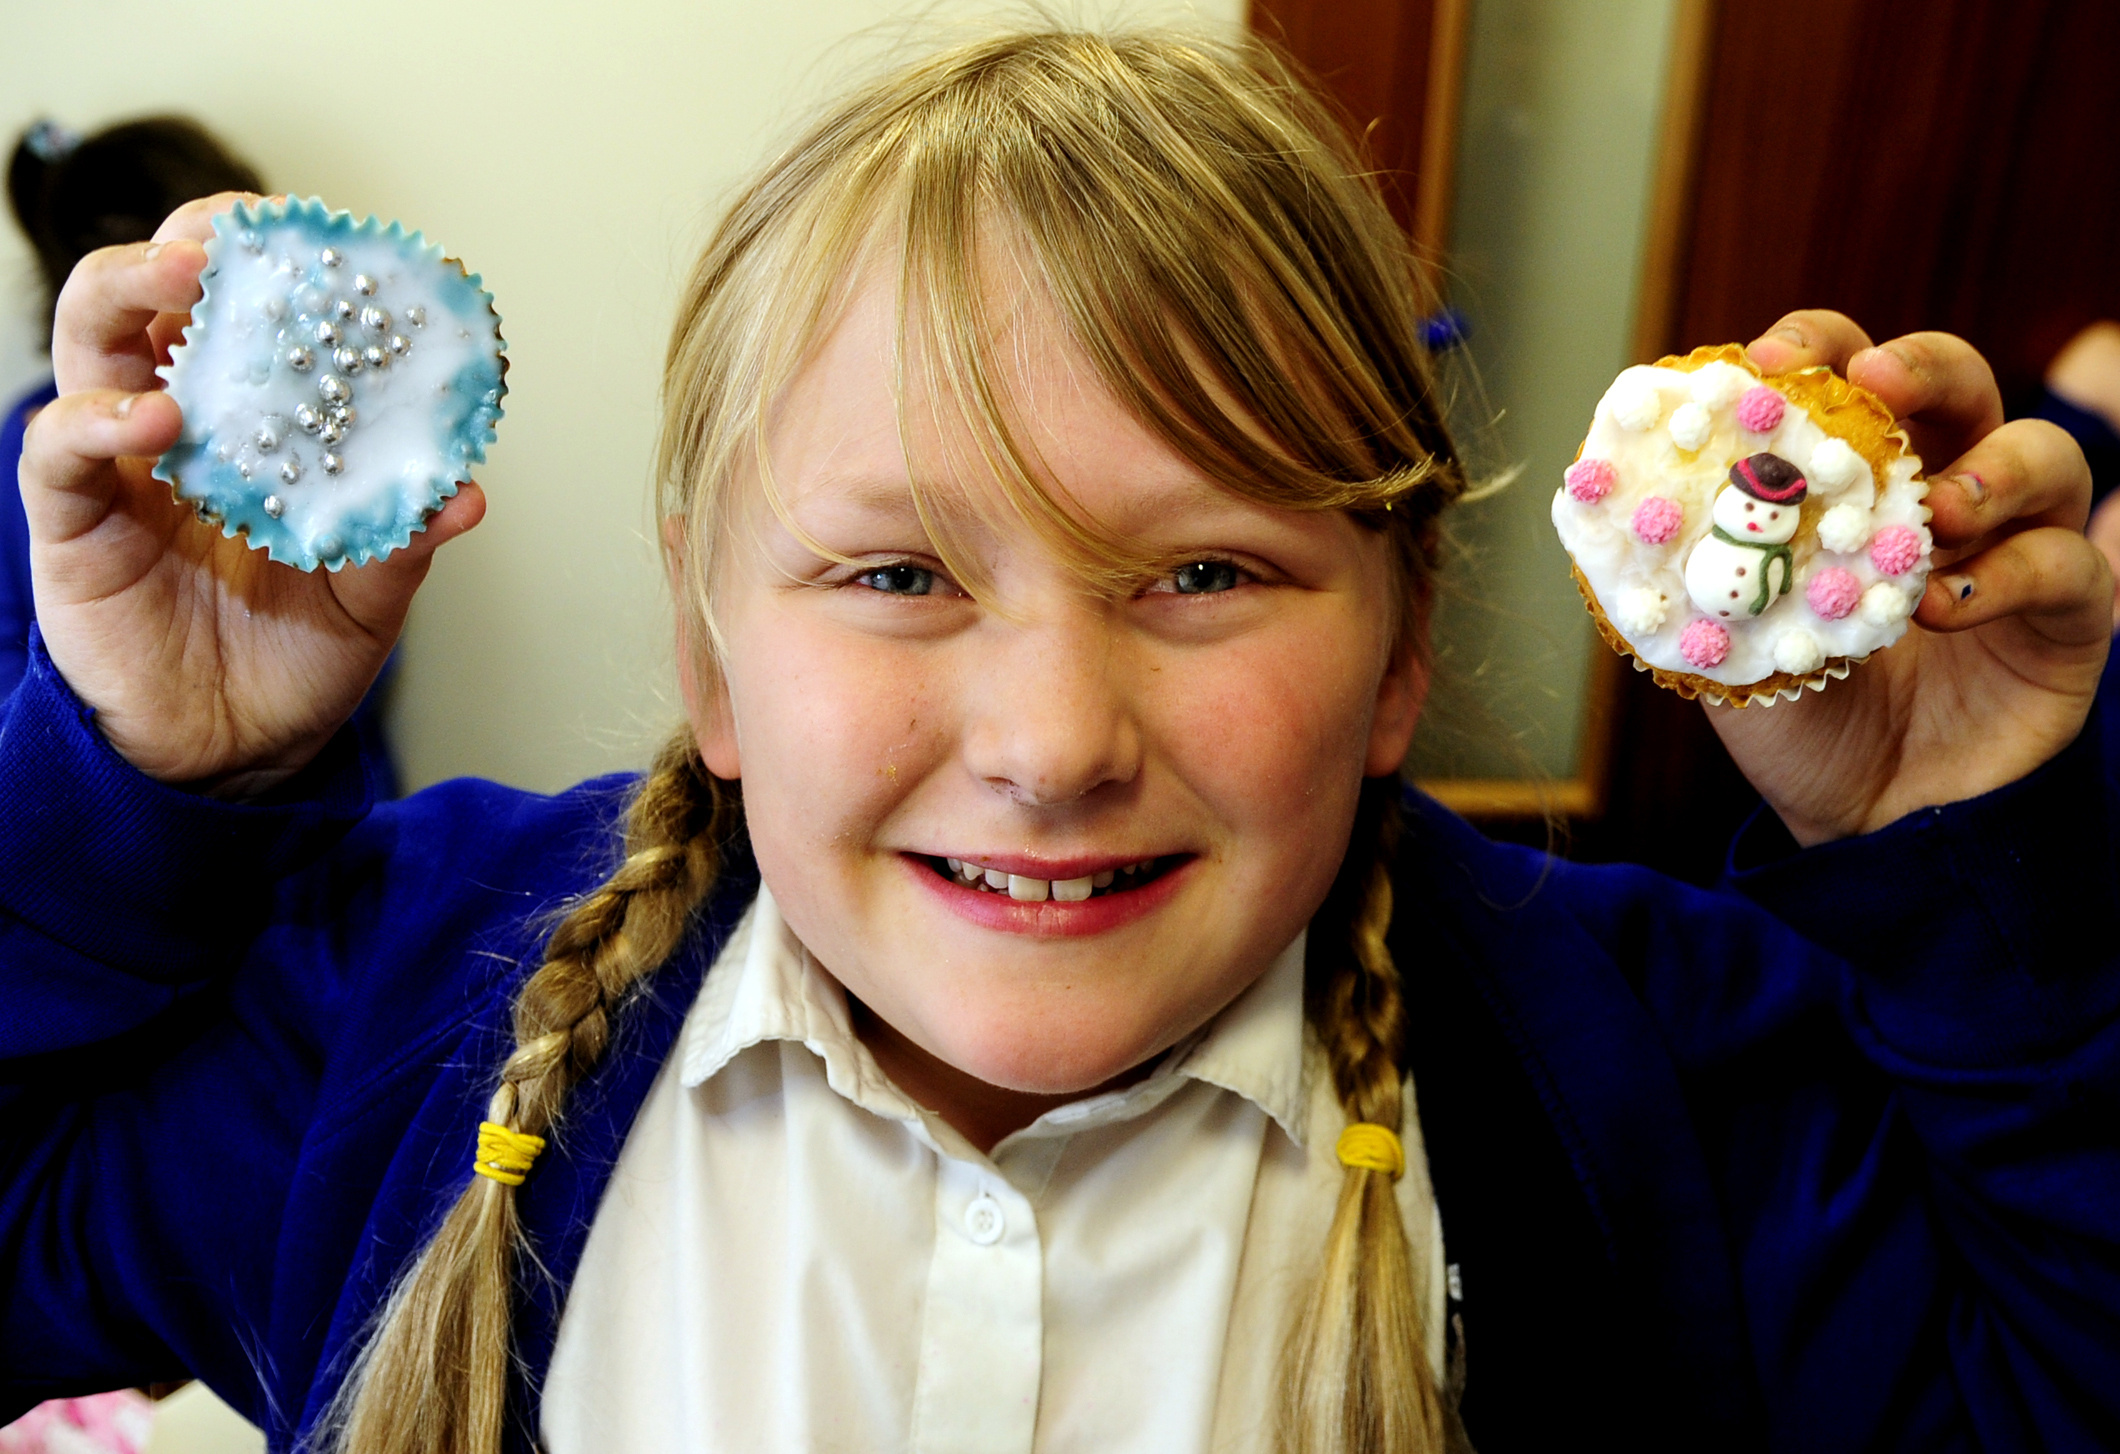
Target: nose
(1049, 713)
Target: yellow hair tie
(1371, 1147)
(504, 1155)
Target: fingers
(1938, 384)
(1807, 338)
(2052, 577)
(123, 306)
(67, 481)
(2028, 472)
(99, 333)
(377, 595)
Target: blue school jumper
(1826, 1159)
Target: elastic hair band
(1370, 1147)
(505, 1156)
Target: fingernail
(149, 253)
(1960, 587)
(1975, 488)
(123, 408)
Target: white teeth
(1104, 879)
(996, 879)
(1071, 890)
(956, 864)
(1030, 890)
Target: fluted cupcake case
(1745, 538)
(338, 382)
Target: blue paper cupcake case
(338, 382)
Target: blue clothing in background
(1821, 1160)
(17, 607)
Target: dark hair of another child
(113, 187)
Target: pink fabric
(1833, 592)
(1760, 409)
(1896, 549)
(1590, 480)
(1704, 643)
(101, 1423)
(1656, 520)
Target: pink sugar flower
(1590, 480)
(1760, 409)
(1833, 592)
(1704, 643)
(1656, 520)
(1896, 549)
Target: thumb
(377, 595)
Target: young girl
(1022, 1010)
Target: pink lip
(1025, 866)
(1051, 919)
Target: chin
(1052, 1054)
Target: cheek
(833, 731)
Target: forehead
(867, 418)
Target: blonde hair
(1210, 238)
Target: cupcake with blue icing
(339, 380)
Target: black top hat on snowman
(1769, 477)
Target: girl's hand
(207, 664)
(1999, 669)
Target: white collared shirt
(792, 1255)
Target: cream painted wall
(574, 155)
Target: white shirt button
(984, 1221)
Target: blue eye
(898, 580)
(1204, 576)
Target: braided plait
(1356, 1377)
(434, 1378)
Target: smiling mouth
(1025, 889)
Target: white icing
(1723, 579)
(1844, 529)
(1650, 462)
(1717, 386)
(1798, 652)
(1638, 610)
(257, 378)
(1632, 403)
(1885, 603)
(1691, 424)
(1834, 466)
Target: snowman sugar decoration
(1744, 564)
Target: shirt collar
(765, 986)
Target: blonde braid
(434, 1378)
(1356, 1378)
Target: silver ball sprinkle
(328, 547)
(334, 389)
(347, 359)
(416, 316)
(300, 359)
(290, 471)
(275, 307)
(342, 415)
(266, 438)
(331, 257)
(375, 320)
(274, 505)
(400, 344)
(342, 309)
(327, 333)
(333, 464)
(374, 357)
(308, 418)
(331, 433)
(243, 468)
(364, 285)
(251, 241)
